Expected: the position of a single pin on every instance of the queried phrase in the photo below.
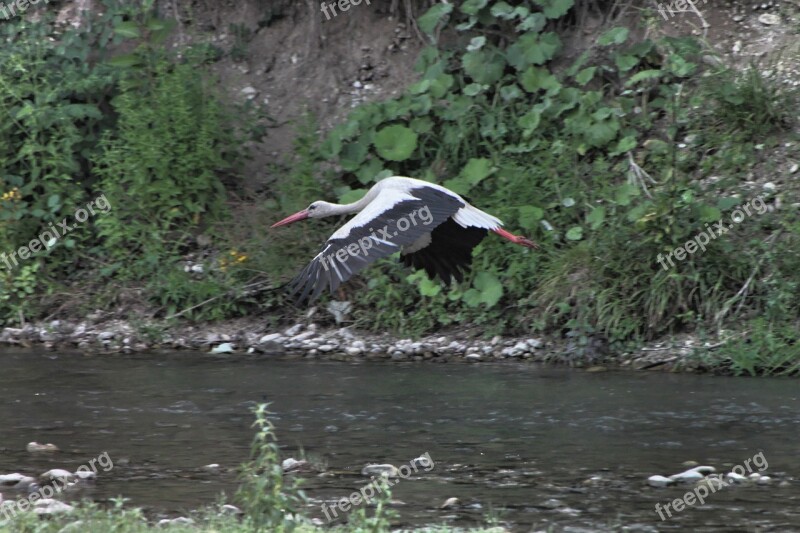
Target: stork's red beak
(300, 215)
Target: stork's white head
(318, 209)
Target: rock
(105, 336)
(659, 481)
(57, 474)
(9, 480)
(291, 465)
(449, 503)
(35, 447)
(769, 19)
(294, 330)
(473, 357)
(794, 168)
(230, 510)
(688, 476)
(552, 503)
(49, 506)
(769, 186)
(272, 337)
(534, 344)
(250, 92)
(85, 475)
(353, 351)
(225, 347)
(764, 480)
(212, 468)
(180, 521)
(327, 348)
(735, 478)
(385, 470)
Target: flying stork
(434, 228)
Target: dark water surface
(506, 439)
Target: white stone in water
(35, 447)
(10, 480)
(687, 476)
(48, 506)
(764, 480)
(449, 502)
(58, 474)
(272, 337)
(769, 186)
(352, 350)
(794, 168)
(86, 475)
(327, 348)
(659, 481)
(755, 476)
(473, 357)
(704, 469)
(735, 478)
(385, 470)
(225, 347)
(358, 344)
(534, 343)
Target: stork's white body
(442, 245)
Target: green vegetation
(610, 160)
(269, 501)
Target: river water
(529, 446)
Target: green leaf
(471, 7)
(125, 61)
(428, 22)
(585, 76)
(624, 193)
(476, 43)
(458, 185)
(626, 144)
(489, 289)
(474, 88)
(535, 79)
(503, 11)
(533, 49)
(395, 143)
(625, 62)
(530, 121)
(613, 36)
(709, 213)
(724, 204)
(128, 30)
(554, 9)
(529, 216)
(575, 233)
(534, 23)
(353, 154)
(510, 92)
(54, 202)
(476, 170)
(483, 66)
(596, 217)
(643, 75)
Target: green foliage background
(603, 159)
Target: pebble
(49, 506)
(735, 478)
(659, 481)
(769, 19)
(385, 470)
(687, 476)
(225, 347)
(180, 521)
(449, 503)
(212, 468)
(57, 474)
(35, 447)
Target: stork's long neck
(355, 207)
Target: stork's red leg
(516, 239)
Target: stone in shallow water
(57, 474)
(659, 481)
(35, 447)
(385, 470)
(48, 506)
(449, 503)
(225, 347)
(688, 476)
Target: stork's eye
(312, 207)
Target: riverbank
(309, 341)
